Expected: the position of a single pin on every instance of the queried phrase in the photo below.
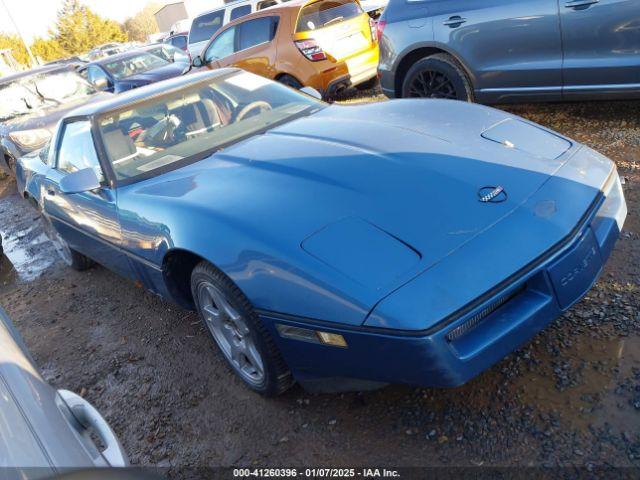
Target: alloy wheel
(432, 84)
(231, 332)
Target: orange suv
(326, 44)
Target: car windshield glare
(31, 93)
(15, 100)
(62, 87)
(134, 65)
(171, 130)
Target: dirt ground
(571, 397)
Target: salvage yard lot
(569, 397)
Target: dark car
(43, 431)
(178, 40)
(32, 103)
(495, 51)
(129, 70)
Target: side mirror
(197, 62)
(312, 92)
(102, 84)
(83, 180)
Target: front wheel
(437, 76)
(240, 335)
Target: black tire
(290, 81)
(276, 377)
(437, 76)
(368, 85)
(68, 255)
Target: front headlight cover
(30, 139)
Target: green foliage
(78, 29)
(13, 43)
(143, 24)
(47, 49)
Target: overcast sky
(35, 17)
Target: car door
(512, 48)
(256, 52)
(87, 221)
(601, 40)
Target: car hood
(158, 74)
(417, 178)
(379, 193)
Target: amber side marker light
(311, 336)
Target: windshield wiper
(333, 20)
(46, 99)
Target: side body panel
(601, 48)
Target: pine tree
(78, 29)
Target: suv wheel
(290, 81)
(240, 335)
(437, 76)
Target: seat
(119, 145)
(198, 117)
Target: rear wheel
(234, 326)
(290, 81)
(437, 76)
(68, 255)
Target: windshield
(320, 14)
(29, 94)
(169, 131)
(134, 65)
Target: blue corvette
(345, 247)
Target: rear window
(205, 26)
(325, 13)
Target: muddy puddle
(603, 394)
(27, 253)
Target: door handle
(88, 417)
(580, 3)
(454, 21)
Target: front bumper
(453, 353)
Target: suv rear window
(205, 26)
(325, 12)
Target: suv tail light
(311, 49)
(380, 28)
(374, 29)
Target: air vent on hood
(527, 138)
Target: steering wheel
(259, 106)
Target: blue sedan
(345, 247)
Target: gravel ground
(571, 397)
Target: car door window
(255, 32)
(240, 12)
(266, 4)
(221, 47)
(205, 26)
(77, 151)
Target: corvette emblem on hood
(492, 194)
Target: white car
(43, 431)
(207, 23)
